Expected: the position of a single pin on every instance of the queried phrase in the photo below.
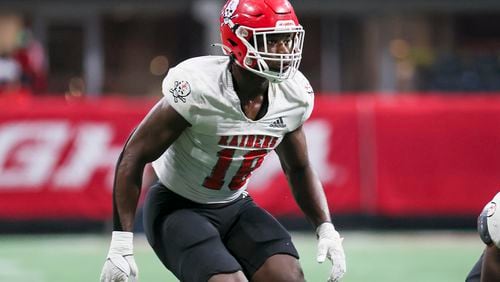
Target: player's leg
(263, 247)
(191, 248)
(231, 277)
(475, 273)
(490, 271)
(280, 267)
(186, 242)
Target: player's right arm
(157, 131)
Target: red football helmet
(247, 25)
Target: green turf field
(387, 257)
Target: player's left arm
(309, 195)
(305, 184)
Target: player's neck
(247, 84)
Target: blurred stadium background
(405, 135)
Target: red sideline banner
(57, 157)
(333, 144)
(435, 155)
(396, 156)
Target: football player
(487, 268)
(219, 117)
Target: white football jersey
(212, 161)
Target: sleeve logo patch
(309, 89)
(180, 91)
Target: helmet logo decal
(180, 91)
(309, 88)
(229, 10)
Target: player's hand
(330, 246)
(120, 265)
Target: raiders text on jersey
(212, 161)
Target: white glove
(330, 245)
(120, 264)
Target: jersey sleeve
(178, 88)
(308, 94)
(309, 107)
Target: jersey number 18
(252, 160)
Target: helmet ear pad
(244, 35)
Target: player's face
(278, 43)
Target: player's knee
(280, 268)
(295, 277)
(294, 274)
(291, 275)
(229, 277)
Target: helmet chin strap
(267, 74)
(264, 71)
(262, 62)
(273, 76)
(227, 51)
